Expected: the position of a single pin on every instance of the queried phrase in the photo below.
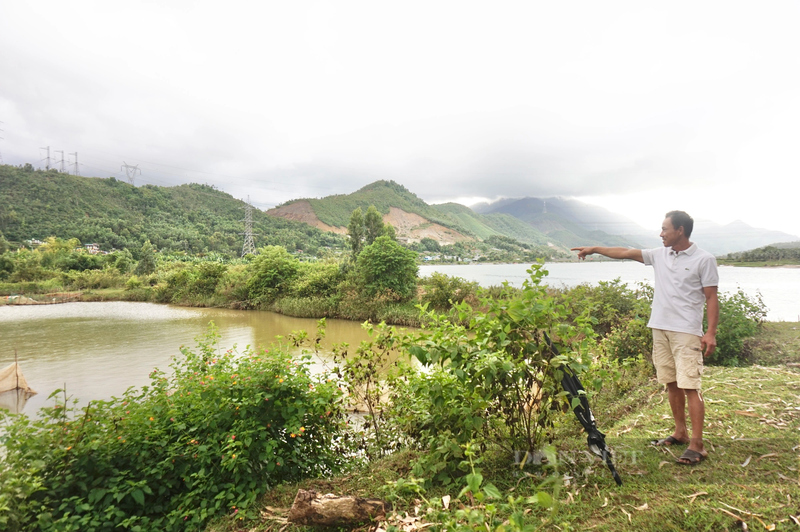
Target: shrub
(204, 442)
(629, 339)
(316, 279)
(93, 279)
(232, 287)
(384, 266)
(740, 318)
(610, 303)
(272, 272)
(503, 356)
(442, 291)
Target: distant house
(94, 249)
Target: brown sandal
(691, 457)
(666, 442)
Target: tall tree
(147, 260)
(373, 224)
(355, 230)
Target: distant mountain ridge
(193, 218)
(552, 215)
(573, 222)
(414, 219)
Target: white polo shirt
(680, 278)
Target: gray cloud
(631, 102)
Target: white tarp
(11, 378)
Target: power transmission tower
(249, 246)
(77, 172)
(47, 165)
(130, 171)
(63, 167)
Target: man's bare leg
(697, 413)
(678, 405)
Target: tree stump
(312, 509)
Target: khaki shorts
(678, 357)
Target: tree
(429, 244)
(4, 245)
(386, 265)
(373, 224)
(355, 230)
(147, 260)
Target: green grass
(759, 264)
(778, 343)
(752, 474)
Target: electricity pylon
(77, 172)
(47, 165)
(130, 171)
(249, 246)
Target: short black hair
(681, 219)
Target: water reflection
(14, 400)
(98, 350)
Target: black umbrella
(595, 439)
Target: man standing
(686, 277)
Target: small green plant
(481, 505)
(504, 357)
(364, 374)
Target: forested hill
(35, 204)
(334, 212)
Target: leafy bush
(504, 357)
(316, 279)
(441, 292)
(740, 318)
(630, 339)
(610, 304)
(93, 279)
(206, 441)
(273, 270)
(385, 266)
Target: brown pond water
(98, 350)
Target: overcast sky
(641, 107)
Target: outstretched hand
(583, 251)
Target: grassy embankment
(751, 476)
(786, 263)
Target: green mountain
(336, 210)
(35, 204)
(495, 224)
(572, 222)
(412, 217)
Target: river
(779, 287)
(98, 350)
